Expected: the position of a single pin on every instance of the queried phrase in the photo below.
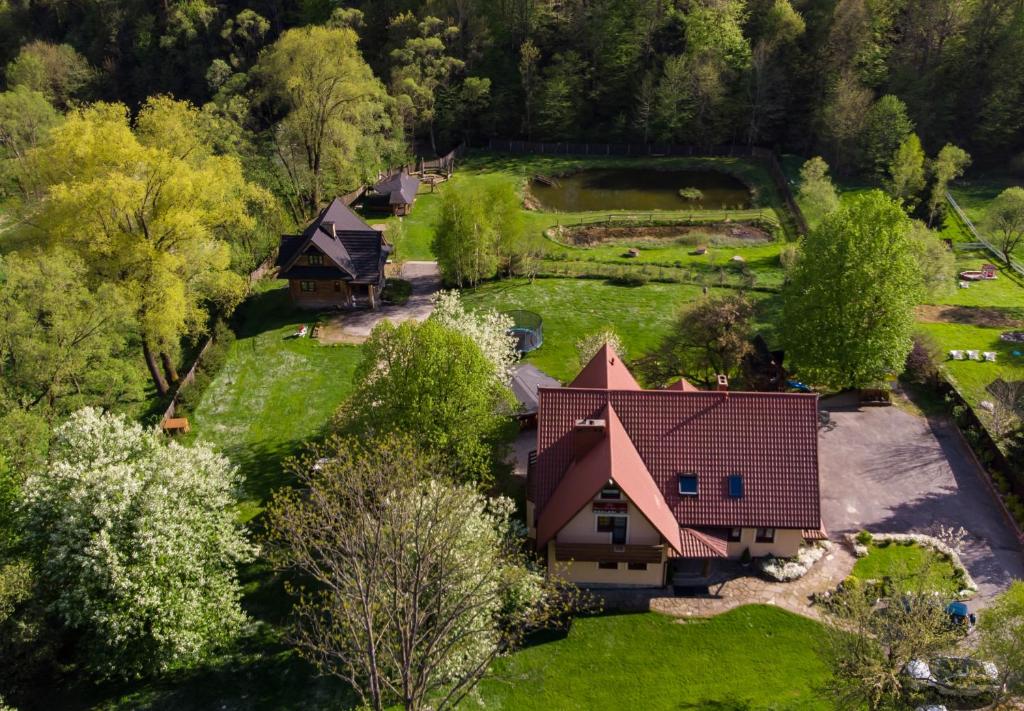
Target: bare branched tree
(876, 630)
(418, 582)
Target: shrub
(626, 277)
(397, 291)
(921, 366)
(864, 538)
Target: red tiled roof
(815, 534)
(770, 439)
(605, 371)
(698, 544)
(684, 385)
(612, 457)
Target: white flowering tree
(489, 329)
(137, 544)
(588, 346)
(419, 582)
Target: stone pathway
(356, 326)
(745, 589)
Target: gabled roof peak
(605, 371)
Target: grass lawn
(572, 308)
(1003, 298)
(273, 393)
(754, 657)
(490, 168)
(929, 571)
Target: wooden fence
(755, 214)
(664, 149)
(979, 240)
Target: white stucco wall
(582, 528)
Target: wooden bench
(174, 425)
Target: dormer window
(611, 493)
(688, 485)
(315, 259)
(736, 486)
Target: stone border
(860, 551)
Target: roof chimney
(331, 230)
(585, 435)
(722, 385)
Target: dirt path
(968, 315)
(356, 326)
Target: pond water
(640, 189)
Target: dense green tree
(529, 55)
(949, 164)
(156, 225)
(1004, 221)
(561, 98)
(710, 338)
(848, 308)
(842, 119)
(136, 543)
(817, 195)
(25, 117)
(886, 126)
(58, 72)
(935, 260)
(436, 386)
(778, 30)
(906, 172)
(62, 344)
(421, 66)
(337, 131)
(480, 232)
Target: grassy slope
(571, 308)
(930, 571)
(274, 393)
(751, 657)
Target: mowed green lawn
(571, 308)
(1002, 297)
(754, 657)
(923, 568)
(274, 393)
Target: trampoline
(528, 329)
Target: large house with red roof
(626, 480)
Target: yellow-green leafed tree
(152, 211)
(337, 130)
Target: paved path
(746, 589)
(888, 470)
(355, 326)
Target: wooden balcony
(594, 552)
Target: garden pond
(642, 189)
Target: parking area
(885, 469)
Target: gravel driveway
(885, 469)
(355, 326)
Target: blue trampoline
(528, 330)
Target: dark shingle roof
(771, 439)
(400, 187)
(358, 251)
